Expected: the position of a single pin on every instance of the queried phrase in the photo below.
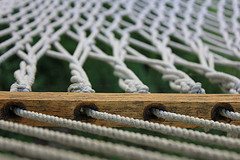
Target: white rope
(165, 129)
(31, 33)
(79, 78)
(178, 80)
(106, 148)
(192, 150)
(230, 114)
(157, 21)
(38, 151)
(207, 34)
(186, 16)
(233, 82)
(25, 76)
(207, 124)
(228, 83)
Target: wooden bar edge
(132, 105)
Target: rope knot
(20, 88)
(81, 87)
(134, 86)
(196, 88)
(192, 88)
(235, 89)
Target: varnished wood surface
(125, 104)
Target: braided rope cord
(165, 129)
(39, 151)
(151, 141)
(106, 148)
(157, 21)
(230, 114)
(227, 82)
(210, 36)
(179, 132)
(207, 124)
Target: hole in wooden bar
(215, 113)
(148, 115)
(80, 114)
(7, 113)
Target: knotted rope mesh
(191, 25)
(165, 35)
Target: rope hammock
(151, 33)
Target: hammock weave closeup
(210, 35)
(160, 34)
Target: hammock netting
(164, 35)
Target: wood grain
(126, 104)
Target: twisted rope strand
(208, 124)
(106, 148)
(39, 151)
(165, 129)
(230, 114)
(157, 21)
(191, 150)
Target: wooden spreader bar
(67, 105)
